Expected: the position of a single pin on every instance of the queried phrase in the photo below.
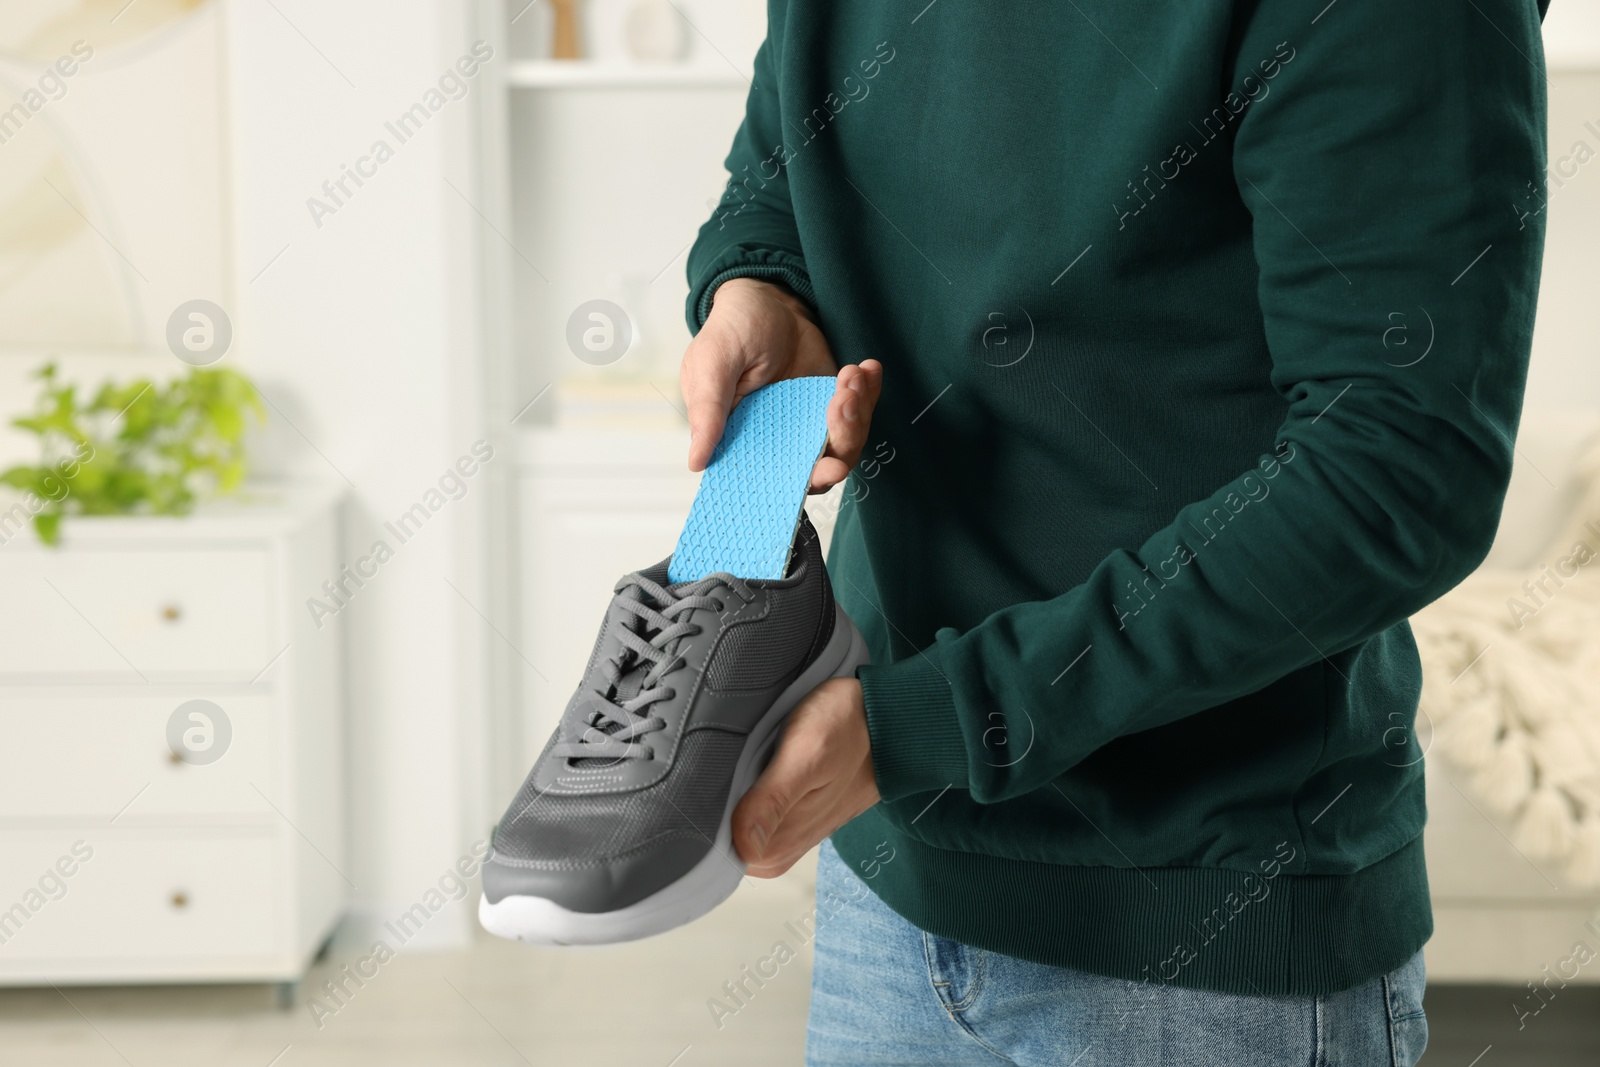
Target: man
(1190, 343)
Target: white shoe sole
(711, 881)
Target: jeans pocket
(955, 971)
(1408, 1024)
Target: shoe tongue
(632, 682)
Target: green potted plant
(135, 448)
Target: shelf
(582, 74)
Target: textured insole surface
(745, 513)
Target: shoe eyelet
(721, 606)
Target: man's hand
(757, 334)
(819, 779)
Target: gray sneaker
(622, 828)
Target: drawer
(137, 897)
(90, 757)
(120, 612)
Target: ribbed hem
(917, 744)
(768, 264)
(1201, 928)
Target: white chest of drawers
(123, 859)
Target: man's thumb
(709, 378)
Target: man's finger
(756, 819)
(829, 472)
(772, 872)
(807, 823)
(849, 421)
(787, 780)
(872, 378)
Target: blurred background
(338, 351)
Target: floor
(641, 1005)
(1478, 1026)
(497, 1004)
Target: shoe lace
(653, 635)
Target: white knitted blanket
(1511, 684)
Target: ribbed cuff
(917, 744)
(767, 265)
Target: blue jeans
(885, 992)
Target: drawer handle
(180, 900)
(171, 612)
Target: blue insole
(745, 513)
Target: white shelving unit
(124, 859)
(610, 167)
(595, 505)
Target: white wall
(364, 333)
(1566, 339)
(113, 203)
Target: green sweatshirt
(1205, 327)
